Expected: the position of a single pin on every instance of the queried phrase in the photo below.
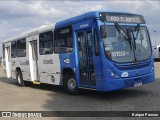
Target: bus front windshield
(133, 47)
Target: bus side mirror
(103, 31)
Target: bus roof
(85, 16)
(31, 32)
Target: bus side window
(89, 38)
(96, 50)
(159, 49)
(13, 49)
(46, 43)
(21, 48)
(63, 42)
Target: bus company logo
(66, 61)
(24, 63)
(124, 74)
(119, 54)
(83, 25)
(48, 61)
(21, 114)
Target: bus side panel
(49, 69)
(48, 65)
(23, 63)
(67, 60)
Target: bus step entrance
(36, 82)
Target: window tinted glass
(96, 43)
(64, 45)
(46, 43)
(21, 48)
(89, 39)
(63, 40)
(13, 49)
(81, 45)
(120, 50)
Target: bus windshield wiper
(133, 42)
(128, 35)
(134, 39)
(124, 33)
(137, 30)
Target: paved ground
(48, 97)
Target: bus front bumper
(110, 84)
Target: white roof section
(31, 32)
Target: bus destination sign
(122, 18)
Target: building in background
(156, 51)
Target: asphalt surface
(53, 98)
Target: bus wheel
(19, 79)
(70, 85)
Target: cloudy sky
(18, 16)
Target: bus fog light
(117, 76)
(112, 74)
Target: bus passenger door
(8, 61)
(33, 57)
(86, 61)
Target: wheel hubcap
(19, 80)
(71, 84)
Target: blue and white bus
(99, 50)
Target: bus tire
(70, 85)
(19, 79)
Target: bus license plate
(137, 84)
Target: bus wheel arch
(69, 81)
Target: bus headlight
(113, 74)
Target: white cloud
(18, 16)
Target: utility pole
(155, 37)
